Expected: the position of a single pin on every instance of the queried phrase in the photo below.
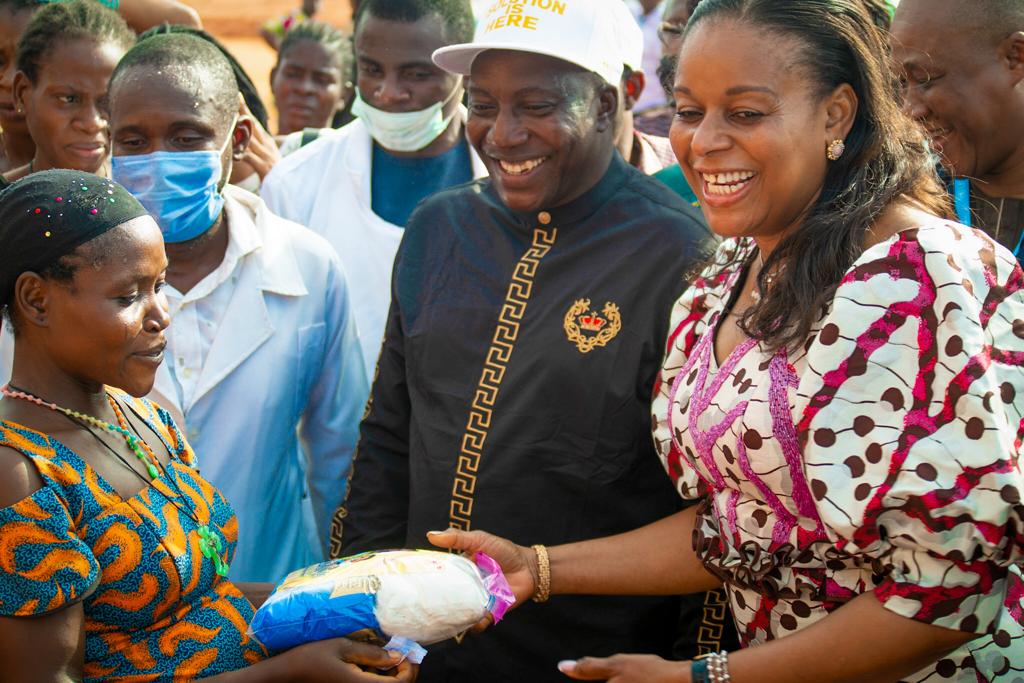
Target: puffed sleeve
(912, 424)
(180, 447)
(690, 318)
(44, 565)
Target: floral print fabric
(155, 609)
(880, 456)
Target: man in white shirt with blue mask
(263, 363)
(358, 185)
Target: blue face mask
(179, 189)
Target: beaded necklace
(140, 448)
(210, 543)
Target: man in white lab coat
(358, 185)
(263, 360)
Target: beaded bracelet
(718, 667)
(544, 574)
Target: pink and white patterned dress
(882, 455)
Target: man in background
(357, 186)
(262, 363)
(528, 319)
(962, 66)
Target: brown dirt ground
(237, 23)
(242, 18)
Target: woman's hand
(627, 669)
(341, 660)
(262, 152)
(518, 563)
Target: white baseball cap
(589, 33)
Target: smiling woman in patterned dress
(113, 548)
(843, 389)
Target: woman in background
(64, 61)
(312, 80)
(18, 146)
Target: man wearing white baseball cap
(528, 319)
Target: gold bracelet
(544, 574)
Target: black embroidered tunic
(513, 395)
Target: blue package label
(327, 600)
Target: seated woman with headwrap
(113, 548)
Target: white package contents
(423, 596)
(428, 596)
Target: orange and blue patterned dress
(155, 609)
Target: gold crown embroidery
(590, 330)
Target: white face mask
(408, 131)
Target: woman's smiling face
(751, 127)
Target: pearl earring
(835, 149)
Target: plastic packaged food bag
(422, 596)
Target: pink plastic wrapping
(502, 597)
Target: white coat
(325, 186)
(275, 416)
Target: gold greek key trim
(712, 622)
(498, 355)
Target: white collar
(243, 240)
(269, 240)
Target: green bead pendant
(211, 547)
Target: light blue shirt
(274, 413)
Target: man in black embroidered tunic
(528, 320)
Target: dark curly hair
(245, 85)
(886, 159)
(334, 40)
(57, 23)
(880, 12)
(457, 15)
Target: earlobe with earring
(834, 150)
